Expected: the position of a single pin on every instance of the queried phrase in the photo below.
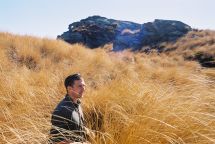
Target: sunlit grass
(130, 98)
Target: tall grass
(130, 98)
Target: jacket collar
(68, 98)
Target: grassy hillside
(131, 98)
(196, 45)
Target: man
(67, 119)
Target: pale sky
(49, 18)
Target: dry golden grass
(130, 98)
(193, 44)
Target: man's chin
(80, 95)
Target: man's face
(77, 89)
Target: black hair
(69, 81)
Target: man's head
(75, 85)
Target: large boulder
(96, 31)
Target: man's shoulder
(64, 106)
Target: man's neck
(75, 100)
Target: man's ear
(69, 88)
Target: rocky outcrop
(97, 31)
(205, 59)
